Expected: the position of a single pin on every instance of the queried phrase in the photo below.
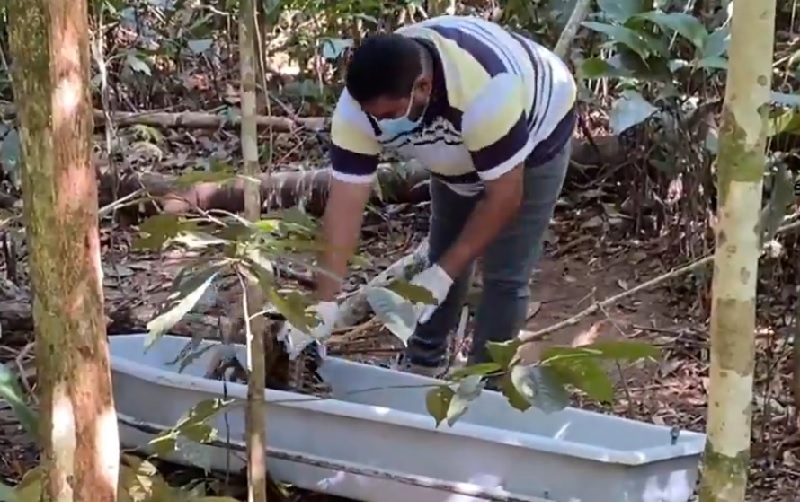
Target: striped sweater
(497, 100)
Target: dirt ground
(671, 392)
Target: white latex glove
(296, 340)
(435, 280)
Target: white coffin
(569, 456)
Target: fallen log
(191, 120)
(204, 120)
(397, 184)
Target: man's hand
(295, 340)
(438, 283)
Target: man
(490, 113)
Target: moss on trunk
(50, 49)
(740, 169)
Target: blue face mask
(395, 126)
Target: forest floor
(574, 273)
(584, 263)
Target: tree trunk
(740, 168)
(255, 324)
(49, 41)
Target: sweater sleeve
(355, 149)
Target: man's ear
(425, 86)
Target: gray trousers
(508, 263)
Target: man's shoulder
(348, 114)
(451, 21)
(471, 26)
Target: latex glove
(435, 280)
(296, 339)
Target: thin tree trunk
(49, 42)
(740, 167)
(255, 324)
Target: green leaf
(268, 225)
(202, 412)
(214, 498)
(137, 64)
(597, 67)
(12, 393)
(191, 281)
(650, 68)
(476, 369)
(509, 390)
(467, 391)
(159, 229)
(630, 110)
(235, 232)
(585, 374)
(621, 10)
(682, 23)
(258, 259)
(503, 353)
(192, 425)
(297, 219)
(394, 311)
(7, 493)
(437, 401)
(359, 261)
(540, 387)
(562, 352)
(784, 121)
(629, 351)
(294, 307)
(306, 89)
(10, 151)
(716, 43)
(622, 35)
(260, 265)
(199, 46)
(189, 353)
(31, 486)
(332, 48)
(189, 296)
(199, 241)
(712, 62)
(411, 292)
(780, 201)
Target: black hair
(384, 65)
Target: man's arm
(495, 131)
(354, 161)
(500, 202)
(341, 225)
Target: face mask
(396, 126)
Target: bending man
(490, 113)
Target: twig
(571, 28)
(195, 120)
(466, 489)
(131, 198)
(535, 336)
